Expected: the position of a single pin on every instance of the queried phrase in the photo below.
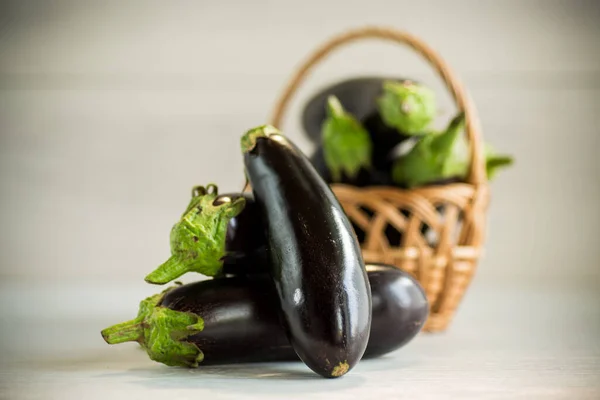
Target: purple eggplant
(235, 319)
(315, 259)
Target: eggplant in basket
(443, 157)
(391, 110)
(358, 95)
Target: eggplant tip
(340, 369)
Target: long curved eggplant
(314, 255)
(214, 228)
(235, 319)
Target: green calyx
(442, 155)
(347, 145)
(435, 157)
(249, 139)
(407, 106)
(198, 238)
(162, 332)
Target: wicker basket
(441, 249)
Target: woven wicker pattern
(434, 245)
(435, 233)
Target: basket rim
(423, 190)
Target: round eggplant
(314, 256)
(213, 228)
(235, 319)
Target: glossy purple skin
(241, 319)
(400, 309)
(315, 259)
(245, 241)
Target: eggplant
(392, 111)
(371, 177)
(443, 157)
(245, 241)
(407, 106)
(346, 143)
(385, 139)
(435, 158)
(314, 256)
(358, 95)
(213, 228)
(399, 309)
(235, 319)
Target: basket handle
(476, 173)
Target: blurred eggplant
(346, 143)
(384, 139)
(443, 157)
(436, 157)
(392, 110)
(364, 177)
(407, 106)
(358, 95)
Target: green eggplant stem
(346, 143)
(334, 107)
(162, 332)
(407, 107)
(198, 239)
(496, 162)
(444, 142)
(129, 331)
(166, 272)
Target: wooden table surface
(508, 341)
